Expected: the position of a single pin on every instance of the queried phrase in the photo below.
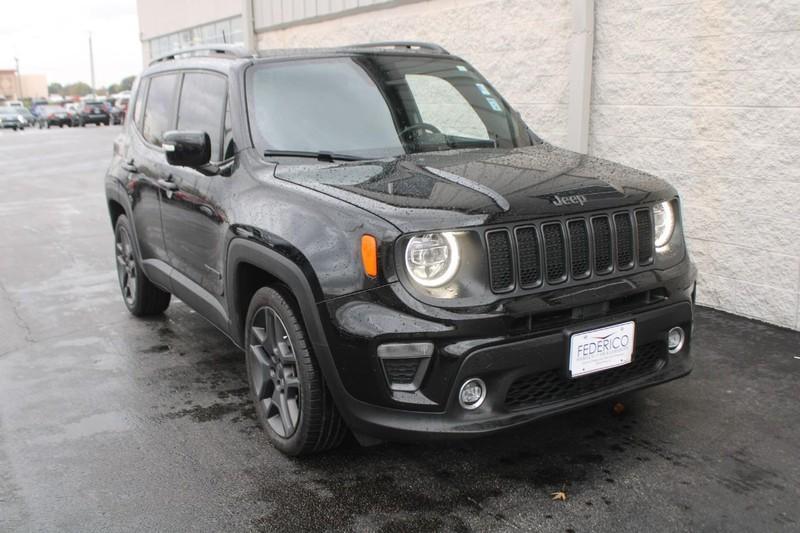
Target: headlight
(664, 221)
(432, 259)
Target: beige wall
(701, 92)
(8, 84)
(705, 94)
(157, 17)
(34, 85)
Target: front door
(193, 223)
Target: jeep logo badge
(575, 199)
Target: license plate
(601, 349)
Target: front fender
(243, 250)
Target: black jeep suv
(396, 253)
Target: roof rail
(229, 50)
(410, 45)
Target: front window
(377, 106)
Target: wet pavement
(111, 423)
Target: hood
(462, 188)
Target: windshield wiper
(329, 157)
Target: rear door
(154, 114)
(194, 223)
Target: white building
(701, 92)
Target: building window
(271, 13)
(226, 31)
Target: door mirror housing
(187, 148)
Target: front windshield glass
(377, 106)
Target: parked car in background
(30, 119)
(74, 110)
(11, 118)
(94, 112)
(117, 115)
(53, 115)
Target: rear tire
(292, 401)
(141, 296)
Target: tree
(55, 88)
(78, 88)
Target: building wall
(8, 84)
(701, 92)
(34, 85)
(158, 17)
(705, 94)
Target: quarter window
(138, 107)
(160, 105)
(202, 107)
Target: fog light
(675, 339)
(472, 393)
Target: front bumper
(524, 368)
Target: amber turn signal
(369, 255)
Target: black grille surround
(559, 252)
(501, 260)
(553, 385)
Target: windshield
(377, 106)
(9, 111)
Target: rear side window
(160, 106)
(202, 107)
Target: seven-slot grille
(576, 248)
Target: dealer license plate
(601, 349)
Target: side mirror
(187, 148)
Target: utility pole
(91, 63)
(19, 80)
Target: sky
(51, 37)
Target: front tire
(141, 296)
(292, 401)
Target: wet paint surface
(484, 186)
(111, 423)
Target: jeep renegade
(395, 251)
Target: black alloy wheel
(291, 398)
(273, 369)
(127, 271)
(141, 296)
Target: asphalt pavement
(112, 423)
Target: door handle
(129, 166)
(168, 185)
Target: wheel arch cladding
(115, 209)
(252, 266)
(246, 257)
